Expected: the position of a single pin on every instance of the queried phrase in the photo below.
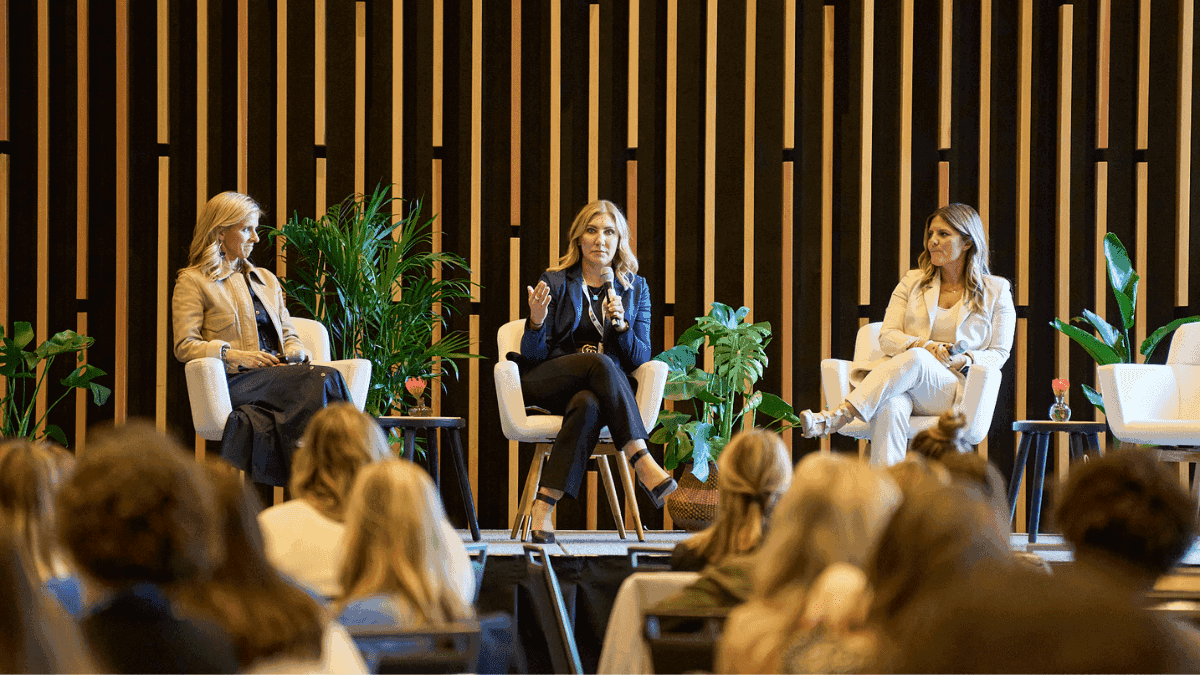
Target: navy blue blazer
(629, 349)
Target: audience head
(266, 615)
(943, 438)
(396, 543)
(30, 473)
(36, 635)
(219, 214)
(137, 509)
(624, 262)
(966, 221)
(338, 442)
(1127, 508)
(754, 470)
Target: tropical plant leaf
(1100, 352)
(1105, 330)
(1120, 269)
(702, 452)
(1094, 396)
(55, 433)
(22, 333)
(679, 358)
(64, 342)
(777, 408)
(1127, 303)
(1152, 340)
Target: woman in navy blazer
(579, 346)
(945, 315)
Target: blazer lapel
(575, 292)
(931, 303)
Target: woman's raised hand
(539, 302)
(257, 359)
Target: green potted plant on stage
(375, 283)
(23, 381)
(721, 400)
(1110, 344)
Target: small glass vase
(1060, 411)
(421, 410)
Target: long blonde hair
(338, 441)
(396, 545)
(30, 473)
(966, 221)
(624, 262)
(754, 470)
(219, 214)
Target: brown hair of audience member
(36, 635)
(754, 469)
(943, 438)
(30, 473)
(1127, 508)
(395, 544)
(338, 441)
(266, 615)
(137, 509)
(943, 444)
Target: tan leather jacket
(209, 313)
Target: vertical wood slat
(787, 318)
(1099, 262)
(710, 163)
(476, 153)
(201, 123)
(319, 93)
(866, 151)
(748, 162)
(945, 73)
(1066, 41)
(514, 243)
(906, 109)
(943, 178)
(360, 96)
(243, 96)
(281, 132)
(120, 374)
(985, 124)
(1024, 105)
(827, 186)
(789, 75)
(671, 151)
(1183, 182)
(593, 157)
(1103, 59)
(398, 140)
(555, 128)
(81, 205)
(473, 402)
(1143, 77)
(4, 89)
(42, 264)
(163, 360)
(635, 18)
(1141, 220)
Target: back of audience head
(30, 474)
(754, 470)
(396, 543)
(266, 615)
(138, 509)
(943, 438)
(1014, 620)
(1126, 508)
(338, 441)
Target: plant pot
(693, 506)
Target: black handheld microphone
(606, 278)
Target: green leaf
(1100, 352)
(22, 333)
(1107, 332)
(65, 342)
(1094, 396)
(56, 434)
(100, 393)
(680, 358)
(81, 376)
(1120, 269)
(708, 397)
(777, 408)
(1127, 303)
(1154, 338)
(700, 433)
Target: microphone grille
(606, 274)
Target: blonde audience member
(275, 625)
(832, 513)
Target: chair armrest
(510, 397)
(208, 392)
(651, 378)
(979, 400)
(357, 374)
(835, 381)
(1137, 399)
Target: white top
(945, 324)
(339, 654)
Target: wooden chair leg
(525, 505)
(1196, 490)
(630, 495)
(611, 490)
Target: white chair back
(866, 343)
(1185, 345)
(508, 338)
(315, 337)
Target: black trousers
(590, 391)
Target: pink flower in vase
(415, 386)
(1060, 386)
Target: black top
(268, 341)
(585, 332)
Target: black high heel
(543, 536)
(658, 493)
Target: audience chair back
(564, 654)
(684, 641)
(450, 648)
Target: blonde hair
(396, 545)
(754, 470)
(30, 473)
(945, 437)
(338, 442)
(966, 221)
(219, 214)
(624, 262)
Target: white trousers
(911, 382)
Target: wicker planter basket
(693, 506)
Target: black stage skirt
(271, 408)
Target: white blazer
(988, 334)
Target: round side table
(1084, 438)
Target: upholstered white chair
(208, 390)
(519, 425)
(979, 393)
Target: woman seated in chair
(226, 307)
(944, 316)
(577, 351)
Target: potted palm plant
(372, 281)
(721, 401)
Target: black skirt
(271, 408)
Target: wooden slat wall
(780, 154)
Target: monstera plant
(1110, 344)
(721, 399)
(22, 381)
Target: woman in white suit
(944, 316)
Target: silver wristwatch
(224, 353)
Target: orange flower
(1060, 386)
(415, 385)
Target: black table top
(1070, 427)
(409, 422)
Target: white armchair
(979, 393)
(519, 425)
(208, 390)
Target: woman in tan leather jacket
(224, 307)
